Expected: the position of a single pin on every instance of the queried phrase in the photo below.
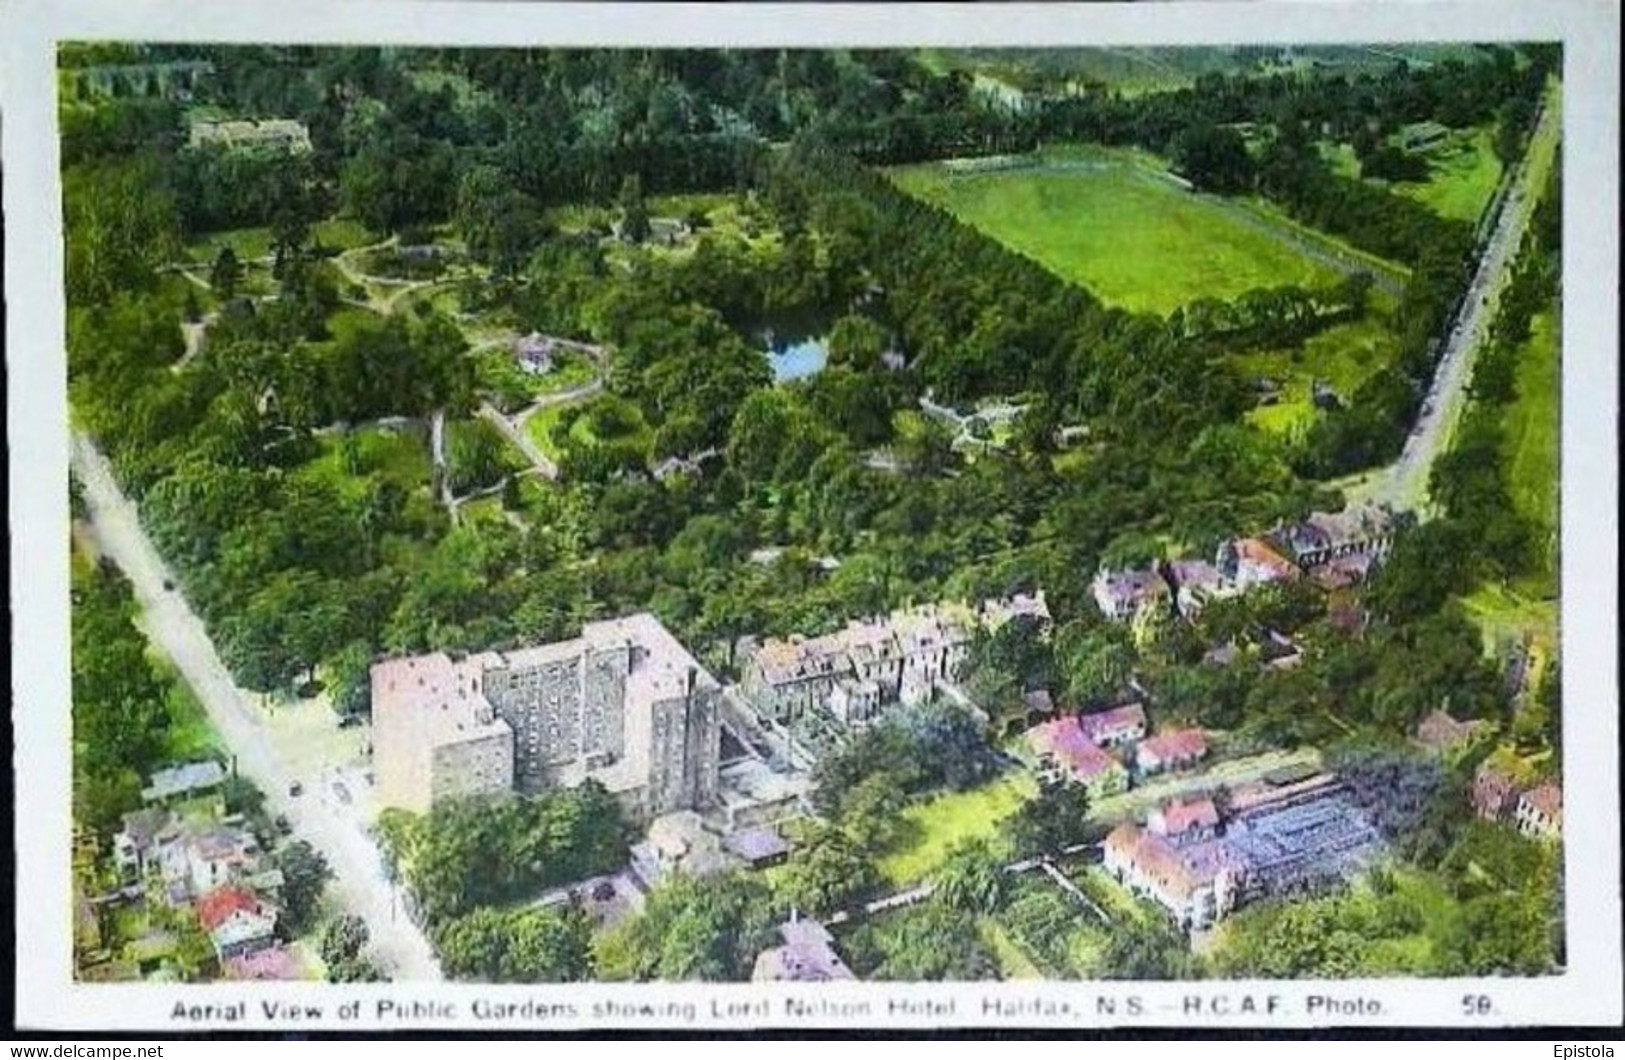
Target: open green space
(1505, 615)
(1464, 174)
(249, 244)
(1344, 356)
(938, 823)
(1533, 438)
(341, 233)
(1106, 222)
(397, 455)
(1013, 960)
(191, 734)
(498, 371)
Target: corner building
(624, 704)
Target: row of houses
(855, 673)
(1333, 549)
(1106, 750)
(1200, 860)
(182, 851)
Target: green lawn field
(1533, 437)
(1464, 177)
(940, 822)
(1344, 356)
(1133, 239)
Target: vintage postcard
(559, 517)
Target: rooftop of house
(1547, 799)
(1355, 524)
(905, 632)
(1106, 724)
(1129, 585)
(756, 844)
(270, 963)
(1194, 574)
(808, 955)
(1439, 731)
(1260, 554)
(183, 779)
(1073, 748)
(1177, 818)
(222, 903)
(1174, 746)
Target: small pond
(795, 358)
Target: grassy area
(341, 233)
(246, 243)
(1464, 176)
(1504, 614)
(1533, 442)
(1344, 356)
(944, 820)
(540, 428)
(191, 734)
(1119, 904)
(1133, 239)
(1013, 960)
(399, 456)
(498, 372)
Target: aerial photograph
(783, 514)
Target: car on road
(295, 790)
(282, 824)
(169, 586)
(342, 792)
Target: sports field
(1105, 220)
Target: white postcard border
(1589, 992)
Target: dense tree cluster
(121, 718)
(474, 852)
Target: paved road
(1405, 483)
(358, 885)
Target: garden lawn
(949, 818)
(1533, 439)
(1134, 240)
(1464, 176)
(399, 456)
(341, 233)
(1345, 356)
(249, 244)
(540, 428)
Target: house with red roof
(1065, 751)
(1197, 882)
(1117, 727)
(1185, 820)
(1179, 749)
(237, 920)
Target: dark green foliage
(692, 929)
(1048, 824)
(546, 945)
(917, 749)
(474, 852)
(928, 942)
(304, 874)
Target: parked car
(342, 792)
(295, 790)
(169, 586)
(282, 824)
